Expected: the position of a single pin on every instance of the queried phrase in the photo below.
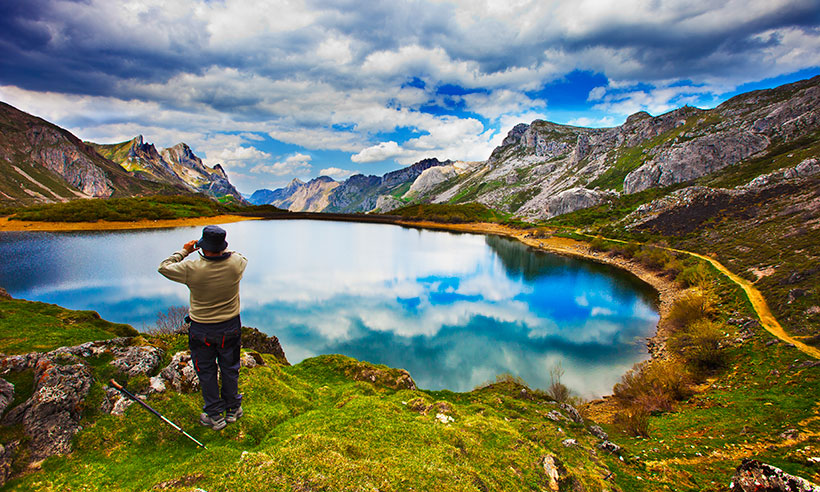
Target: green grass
(470, 212)
(319, 425)
(39, 327)
(122, 209)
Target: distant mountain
(176, 165)
(42, 163)
(359, 193)
(545, 169)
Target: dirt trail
(569, 246)
(760, 306)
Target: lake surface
(453, 309)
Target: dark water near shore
(454, 309)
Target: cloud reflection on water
(455, 310)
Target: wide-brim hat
(213, 239)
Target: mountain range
(545, 169)
(540, 170)
(43, 163)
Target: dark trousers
(209, 353)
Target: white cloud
(293, 164)
(378, 152)
(336, 173)
(236, 156)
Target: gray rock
(52, 414)
(575, 199)
(6, 395)
(572, 412)
(180, 373)
(569, 442)
(755, 476)
(598, 432)
(552, 469)
(137, 360)
(7, 453)
(610, 446)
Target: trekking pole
(148, 407)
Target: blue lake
(453, 309)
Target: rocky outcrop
(137, 360)
(755, 476)
(177, 166)
(576, 199)
(180, 373)
(41, 162)
(429, 179)
(686, 209)
(63, 379)
(693, 159)
(544, 169)
(253, 339)
(387, 203)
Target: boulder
(7, 453)
(552, 469)
(52, 415)
(755, 476)
(572, 412)
(180, 373)
(6, 395)
(137, 360)
(4, 294)
(576, 199)
(264, 344)
(598, 432)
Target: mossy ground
(315, 426)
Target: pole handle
(115, 384)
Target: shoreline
(601, 409)
(7, 225)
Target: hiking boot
(233, 414)
(216, 423)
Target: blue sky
(276, 90)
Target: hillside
(544, 169)
(176, 165)
(42, 163)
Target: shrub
(627, 250)
(694, 275)
(692, 306)
(634, 421)
(653, 258)
(598, 244)
(170, 322)
(699, 345)
(652, 386)
(557, 390)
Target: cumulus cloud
(237, 156)
(293, 164)
(336, 173)
(325, 76)
(378, 152)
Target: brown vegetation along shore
(104, 225)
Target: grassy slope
(319, 425)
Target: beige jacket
(214, 284)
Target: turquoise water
(453, 309)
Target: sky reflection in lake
(454, 310)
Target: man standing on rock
(215, 333)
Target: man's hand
(190, 246)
